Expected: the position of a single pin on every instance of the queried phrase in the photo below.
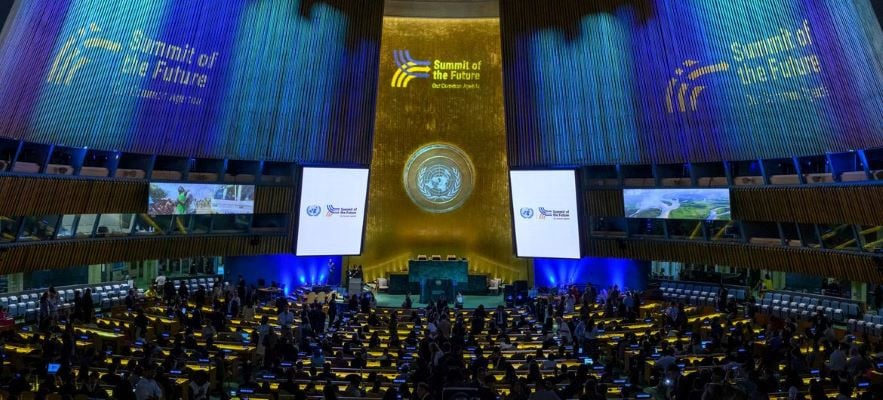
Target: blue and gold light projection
(642, 81)
(271, 79)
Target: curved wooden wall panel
(860, 204)
(41, 195)
(852, 266)
(44, 255)
(274, 200)
(45, 195)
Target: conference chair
(32, 311)
(851, 310)
(382, 284)
(877, 321)
(16, 305)
(861, 325)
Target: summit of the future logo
(74, 54)
(408, 69)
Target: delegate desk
(449, 275)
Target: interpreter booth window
(114, 225)
(604, 226)
(269, 223)
(200, 224)
(872, 238)
(685, 230)
(8, 228)
(839, 237)
(86, 225)
(231, 223)
(68, 224)
(724, 231)
(144, 224)
(810, 235)
(180, 225)
(163, 224)
(649, 228)
(39, 228)
(152, 225)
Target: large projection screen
(332, 211)
(545, 212)
(197, 198)
(691, 204)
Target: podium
(434, 289)
(355, 287)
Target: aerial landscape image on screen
(697, 204)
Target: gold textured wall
(471, 119)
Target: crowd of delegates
(453, 349)
(81, 310)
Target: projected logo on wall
(439, 177)
(772, 67)
(179, 66)
(73, 55)
(684, 88)
(460, 74)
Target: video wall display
(695, 204)
(190, 198)
(545, 212)
(332, 211)
(224, 79)
(642, 82)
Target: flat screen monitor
(53, 368)
(544, 209)
(200, 198)
(689, 204)
(332, 211)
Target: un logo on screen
(314, 210)
(527, 213)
